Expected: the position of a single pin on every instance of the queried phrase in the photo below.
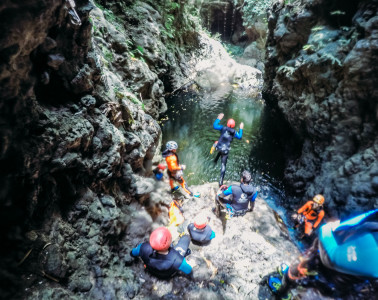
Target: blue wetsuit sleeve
(185, 267)
(228, 191)
(136, 251)
(239, 134)
(212, 235)
(216, 125)
(254, 196)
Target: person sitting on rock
(200, 232)
(223, 145)
(243, 196)
(160, 258)
(159, 172)
(175, 170)
(313, 213)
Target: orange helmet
(200, 221)
(318, 199)
(160, 239)
(231, 123)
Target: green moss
(108, 55)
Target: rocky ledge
(232, 266)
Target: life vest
(241, 195)
(351, 247)
(160, 265)
(201, 236)
(225, 139)
(175, 215)
(172, 160)
(309, 212)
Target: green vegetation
(308, 47)
(169, 11)
(108, 55)
(122, 94)
(286, 70)
(255, 9)
(111, 17)
(328, 56)
(317, 28)
(233, 50)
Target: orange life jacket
(312, 214)
(172, 162)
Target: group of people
(343, 253)
(163, 260)
(223, 146)
(159, 256)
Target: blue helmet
(171, 145)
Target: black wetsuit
(224, 145)
(200, 236)
(165, 266)
(241, 196)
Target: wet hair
(246, 176)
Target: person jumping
(224, 143)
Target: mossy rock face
(319, 73)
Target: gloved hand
(223, 187)
(131, 254)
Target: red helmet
(231, 123)
(161, 167)
(200, 221)
(160, 239)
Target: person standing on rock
(243, 196)
(175, 170)
(313, 213)
(160, 258)
(200, 232)
(224, 143)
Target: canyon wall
(321, 73)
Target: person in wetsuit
(243, 196)
(200, 232)
(343, 261)
(160, 258)
(175, 170)
(224, 143)
(313, 213)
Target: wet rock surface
(321, 74)
(232, 266)
(86, 256)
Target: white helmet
(171, 145)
